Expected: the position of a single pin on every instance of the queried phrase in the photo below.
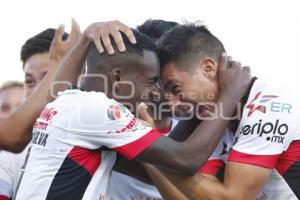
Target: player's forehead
(170, 74)
(145, 66)
(151, 62)
(10, 92)
(37, 63)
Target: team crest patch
(114, 112)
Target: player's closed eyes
(30, 82)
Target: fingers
(223, 62)
(100, 34)
(144, 122)
(144, 115)
(98, 43)
(114, 29)
(56, 42)
(248, 71)
(119, 41)
(234, 64)
(58, 34)
(128, 32)
(107, 43)
(247, 68)
(75, 32)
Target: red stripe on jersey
(164, 130)
(289, 157)
(3, 197)
(89, 159)
(211, 167)
(131, 150)
(267, 161)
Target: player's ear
(116, 77)
(208, 67)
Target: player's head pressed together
(189, 63)
(128, 75)
(154, 28)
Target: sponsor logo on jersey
(39, 138)
(48, 114)
(273, 132)
(260, 105)
(265, 103)
(40, 125)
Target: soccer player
(11, 96)
(262, 148)
(26, 114)
(126, 187)
(37, 56)
(68, 158)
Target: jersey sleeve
(6, 179)
(100, 121)
(211, 167)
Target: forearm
(70, 68)
(208, 188)
(167, 190)
(200, 145)
(132, 168)
(187, 157)
(200, 187)
(15, 138)
(15, 130)
(184, 129)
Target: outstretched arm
(242, 182)
(15, 130)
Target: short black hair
(187, 44)
(154, 28)
(39, 43)
(11, 84)
(95, 59)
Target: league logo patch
(259, 106)
(114, 112)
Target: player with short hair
(262, 146)
(126, 187)
(25, 115)
(37, 62)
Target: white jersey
(66, 161)
(124, 187)
(10, 171)
(268, 135)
